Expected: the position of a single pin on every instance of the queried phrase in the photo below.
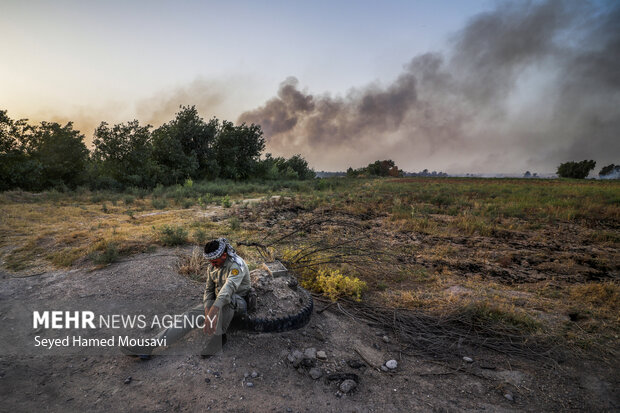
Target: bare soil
(222, 383)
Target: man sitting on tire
(226, 295)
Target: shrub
(129, 199)
(107, 256)
(159, 203)
(205, 200)
(234, 223)
(200, 236)
(334, 285)
(226, 202)
(169, 235)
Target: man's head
(215, 252)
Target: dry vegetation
(523, 258)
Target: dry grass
(530, 254)
(194, 266)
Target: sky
(473, 86)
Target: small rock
(249, 384)
(246, 375)
(315, 373)
(347, 385)
(310, 353)
(207, 380)
(254, 374)
(308, 362)
(289, 410)
(468, 359)
(384, 368)
(217, 374)
(295, 357)
(355, 364)
(509, 397)
(386, 339)
(127, 380)
(391, 364)
(321, 355)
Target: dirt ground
(113, 382)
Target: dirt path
(31, 381)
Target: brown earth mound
(276, 296)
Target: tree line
(378, 168)
(49, 155)
(580, 170)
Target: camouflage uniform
(225, 288)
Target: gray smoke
(526, 86)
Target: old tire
(283, 323)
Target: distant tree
(300, 166)
(609, 169)
(123, 154)
(237, 149)
(61, 152)
(577, 170)
(17, 168)
(527, 174)
(178, 145)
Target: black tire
(284, 323)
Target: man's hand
(211, 319)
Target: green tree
(609, 169)
(61, 152)
(300, 166)
(237, 149)
(123, 153)
(183, 147)
(577, 170)
(17, 168)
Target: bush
(333, 284)
(226, 202)
(205, 200)
(200, 236)
(170, 236)
(159, 203)
(234, 223)
(107, 256)
(129, 199)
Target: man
(225, 296)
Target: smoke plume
(526, 86)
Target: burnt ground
(99, 382)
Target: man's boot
(214, 345)
(142, 352)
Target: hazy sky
(459, 86)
